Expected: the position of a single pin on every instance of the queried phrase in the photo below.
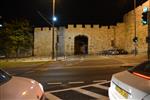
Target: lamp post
(53, 22)
(148, 19)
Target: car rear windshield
(4, 77)
(143, 68)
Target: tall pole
(148, 19)
(135, 35)
(53, 46)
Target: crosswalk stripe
(51, 96)
(54, 91)
(79, 87)
(89, 93)
(104, 82)
(100, 86)
(97, 81)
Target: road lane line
(98, 81)
(89, 93)
(57, 83)
(51, 96)
(75, 82)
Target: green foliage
(15, 36)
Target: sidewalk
(75, 61)
(97, 57)
(72, 58)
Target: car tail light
(141, 75)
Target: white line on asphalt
(77, 87)
(75, 82)
(57, 83)
(101, 86)
(89, 93)
(51, 96)
(98, 81)
(104, 82)
(59, 90)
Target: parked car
(114, 51)
(19, 88)
(122, 51)
(108, 52)
(132, 84)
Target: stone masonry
(99, 38)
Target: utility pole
(53, 46)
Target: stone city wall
(99, 38)
(42, 42)
(141, 30)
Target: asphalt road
(63, 73)
(74, 79)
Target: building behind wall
(99, 38)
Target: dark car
(114, 51)
(109, 52)
(122, 51)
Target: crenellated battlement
(76, 26)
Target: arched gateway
(81, 45)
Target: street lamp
(54, 18)
(148, 17)
(53, 22)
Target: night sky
(103, 12)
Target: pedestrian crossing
(96, 91)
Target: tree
(16, 37)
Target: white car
(19, 88)
(133, 84)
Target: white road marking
(75, 82)
(78, 87)
(98, 81)
(60, 90)
(89, 93)
(57, 83)
(51, 96)
(103, 82)
(101, 86)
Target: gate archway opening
(81, 45)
